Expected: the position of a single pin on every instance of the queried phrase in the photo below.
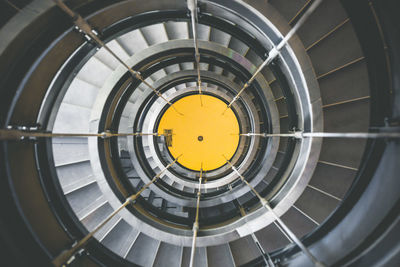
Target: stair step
(81, 93)
(119, 238)
(220, 37)
(95, 72)
(84, 198)
(74, 174)
(288, 8)
(203, 32)
(345, 85)
(238, 46)
(298, 223)
(254, 58)
(333, 179)
(155, 34)
(65, 154)
(143, 251)
(104, 56)
(200, 257)
(244, 250)
(86, 181)
(158, 75)
(187, 66)
(316, 204)
(168, 255)
(337, 119)
(72, 119)
(97, 216)
(133, 42)
(218, 256)
(172, 68)
(344, 41)
(327, 16)
(103, 232)
(177, 30)
(271, 238)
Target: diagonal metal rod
(275, 51)
(286, 229)
(267, 258)
(359, 135)
(196, 222)
(67, 256)
(85, 27)
(264, 255)
(11, 134)
(270, 262)
(192, 6)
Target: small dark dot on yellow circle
(200, 138)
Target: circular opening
(204, 136)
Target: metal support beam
(196, 222)
(192, 6)
(67, 256)
(86, 29)
(284, 227)
(18, 135)
(267, 258)
(274, 52)
(300, 135)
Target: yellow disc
(203, 135)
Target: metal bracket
(106, 134)
(230, 187)
(87, 36)
(17, 132)
(297, 133)
(78, 254)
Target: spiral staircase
(89, 162)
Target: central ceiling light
(204, 135)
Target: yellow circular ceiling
(203, 135)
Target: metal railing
(196, 221)
(19, 134)
(86, 29)
(274, 52)
(67, 256)
(192, 6)
(284, 227)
